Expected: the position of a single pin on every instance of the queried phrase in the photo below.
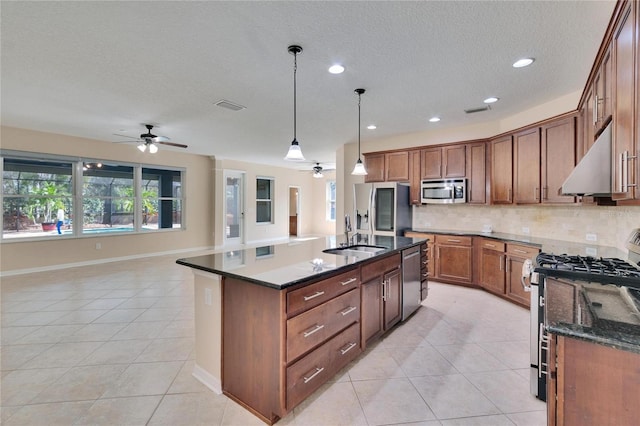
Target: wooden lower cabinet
(591, 384)
(381, 297)
(424, 271)
(492, 265)
(279, 346)
(516, 256)
(453, 258)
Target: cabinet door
(455, 161)
(414, 178)
(374, 163)
(454, 263)
(502, 170)
(526, 159)
(558, 159)
(393, 298)
(624, 106)
(397, 166)
(431, 163)
(602, 84)
(476, 173)
(588, 122)
(515, 290)
(371, 308)
(492, 277)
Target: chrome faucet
(347, 228)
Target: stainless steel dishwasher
(410, 281)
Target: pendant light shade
(295, 153)
(359, 169)
(142, 147)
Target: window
(38, 194)
(331, 200)
(264, 200)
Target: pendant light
(359, 169)
(295, 153)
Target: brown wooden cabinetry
(415, 197)
(492, 265)
(477, 173)
(381, 297)
(424, 271)
(603, 91)
(624, 152)
(502, 170)
(444, 162)
(397, 166)
(591, 384)
(279, 346)
(375, 165)
(453, 258)
(516, 256)
(558, 142)
(526, 159)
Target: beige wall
(198, 184)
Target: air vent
(223, 103)
(479, 109)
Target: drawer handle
(348, 348)
(314, 295)
(520, 251)
(348, 310)
(349, 281)
(453, 241)
(313, 330)
(315, 373)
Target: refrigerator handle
(372, 209)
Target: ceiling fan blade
(161, 139)
(178, 145)
(136, 141)
(125, 136)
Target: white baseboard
(207, 379)
(98, 261)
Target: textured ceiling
(92, 69)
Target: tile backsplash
(609, 226)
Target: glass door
(234, 207)
(384, 208)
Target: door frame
(298, 204)
(238, 174)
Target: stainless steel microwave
(443, 191)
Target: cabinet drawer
(379, 267)
(453, 240)
(522, 251)
(316, 325)
(488, 244)
(315, 294)
(309, 373)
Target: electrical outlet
(208, 296)
(98, 246)
(525, 230)
(590, 251)
(592, 237)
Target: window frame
(270, 201)
(329, 200)
(77, 196)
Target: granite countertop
(545, 245)
(600, 313)
(286, 264)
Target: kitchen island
(274, 323)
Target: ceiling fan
(151, 141)
(318, 169)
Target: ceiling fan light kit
(317, 171)
(358, 169)
(295, 153)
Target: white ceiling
(92, 69)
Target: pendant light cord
(295, 70)
(359, 99)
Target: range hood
(592, 174)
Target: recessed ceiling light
(523, 62)
(434, 119)
(371, 127)
(491, 100)
(336, 69)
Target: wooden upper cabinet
(603, 92)
(625, 122)
(431, 163)
(444, 162)
(558, 158)
(374, 163)
(502, 170)
(414, 178)
(397, 166)
(526, 159)
(588, 125)
(477, 173)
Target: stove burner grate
(589, 265)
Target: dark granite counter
(286, 264)
(546, 245)
(600, 313)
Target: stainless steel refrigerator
(382, 208)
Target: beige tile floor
(113, 345)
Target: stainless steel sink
(357, 250)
